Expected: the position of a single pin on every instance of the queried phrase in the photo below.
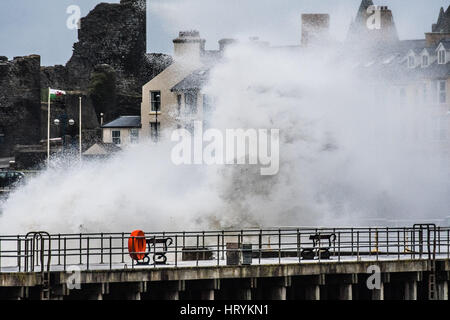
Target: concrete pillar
(170, 290)
(411, 290)
(16, 293)
(171, 295)
(207, 295)
(134, 290)
(95, 296)
(204, 288)
(442, 290)
(345, 291)
(278, 293)
(278, 288)
(312, 292)
(59, 292)
(245, 294)
(133, 295)
(378, 294)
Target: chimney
(439, 30)
(224, 43)
(188, 45)
(315, 29)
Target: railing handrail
(355, 242)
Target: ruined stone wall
(113, 34)
(112, 37)
(19, 102)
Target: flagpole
(80, 146)
(48, 129)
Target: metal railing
(42, 252)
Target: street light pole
(80, 146)
(48, 129)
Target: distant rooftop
(443, 23)
(194, 81)
(125, 122)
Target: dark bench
(319, 249)
(158, 247)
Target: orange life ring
(137, 245)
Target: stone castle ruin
(108, 68)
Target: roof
(443, 23)
(445, 43)
(390, 63)
(196, 80)
(101, 149)
(125, 122)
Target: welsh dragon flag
(56, 93)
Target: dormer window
(425, 61)
(441, 56)
(411, 62)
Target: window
(155, 101)
(207, 105)
(134, 135)
(190, 99)
(441, 56)
(440, 129)
(411, 62)
(179, 104)
(442, 93)
(116, 137)
(155, 130)
(434, 91)
(2, 136)
(424, 61)
(425, 93)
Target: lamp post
(57, 122)
(79, 133)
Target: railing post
(298, 246)
(260, 246)
(101, 248)
(19, 245)
(334, 242)
(242, 237)
(387, 241)
(357, 245)
(123, 247)
(110, 252)
(81, 249)
(223, 245)
(87, 254)
(1, 256)
(218, 249)
(196, 251)
(351, 240)
(59, 249)
(448, 243)
(398, 244)
(439, 238)
(377, 243)
(279, 246)
(176, 250)
(370, 241)
(339, 246)
(65, 253)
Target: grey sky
(30, 26)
